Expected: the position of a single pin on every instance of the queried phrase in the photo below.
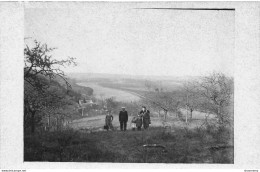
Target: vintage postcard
(133, 82)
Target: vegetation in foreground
(203, 145)
(51, 102)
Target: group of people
(141, 120)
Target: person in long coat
(123, 118)
(146, 117)
(108, 120)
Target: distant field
(105, 92)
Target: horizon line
(140, 75)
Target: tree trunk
(57, 123)
(186, 117)
(49, 122)
(33, 121)
(220, 116)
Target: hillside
(181, 146)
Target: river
(105, 92)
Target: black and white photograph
(160, 83)
(117, 82)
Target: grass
(182, 146)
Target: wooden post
(57, 123)
(186, 120)
(165, 116)
(49, 120)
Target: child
(133, 123)
(139, 122)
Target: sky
(120, 39)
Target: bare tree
(41, 86)
(111, 103)
(39, 62)
(217, 90)
(163, 101)
(190, 97)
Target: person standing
(139, 122)
(133, 123)
(146, 117)
(108, 121)
(123, 118)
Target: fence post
(165, 115)
(186, 119)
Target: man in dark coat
(123, 118)
(146, 117)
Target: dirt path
(96, 123)
(89, 123)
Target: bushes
(220, 133)
(33, 148)
(66, 146)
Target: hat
(123, 107)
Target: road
(96, 123)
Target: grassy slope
(182, 146)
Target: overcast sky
(124, 40)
